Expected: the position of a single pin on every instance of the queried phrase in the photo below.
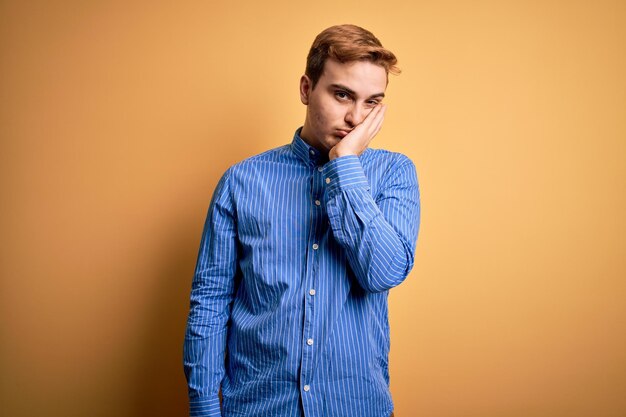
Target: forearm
(204, 370)
(376, 253)
(378, 236)
(205, 342)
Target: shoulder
(378, 156)
(249, 173)
(274, 155)
(389, 162)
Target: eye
(373, 103)
(341, 95)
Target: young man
(301, 245)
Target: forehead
(363, 77)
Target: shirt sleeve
(210, 302)
(379, 236)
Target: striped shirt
(288, 312)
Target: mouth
(342, 133)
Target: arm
(379, 236)
(211, 295)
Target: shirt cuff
(205, 407)
(343, 173)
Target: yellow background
(117, 119)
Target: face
(342, 98)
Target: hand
(355, 142)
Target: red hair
(347, 43)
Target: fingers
(359, 139)
(374, 114)
(378, 121)
(374, 120)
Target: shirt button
(307, 388)
(317, 202)
(320, 169)
(311, 291)
(316, 246)
(311, 151)
(309, 342)
(327, 180)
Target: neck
(306, 136)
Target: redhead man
(301, 246)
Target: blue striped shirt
(288, 312)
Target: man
(301, 245)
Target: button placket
(311, 281)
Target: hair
(347, 43)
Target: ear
(305, 89)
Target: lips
(342, 133)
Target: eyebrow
(352, 92)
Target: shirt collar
(307, 153)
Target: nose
(355, 115)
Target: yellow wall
(117, 119)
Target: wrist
(338, 154)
